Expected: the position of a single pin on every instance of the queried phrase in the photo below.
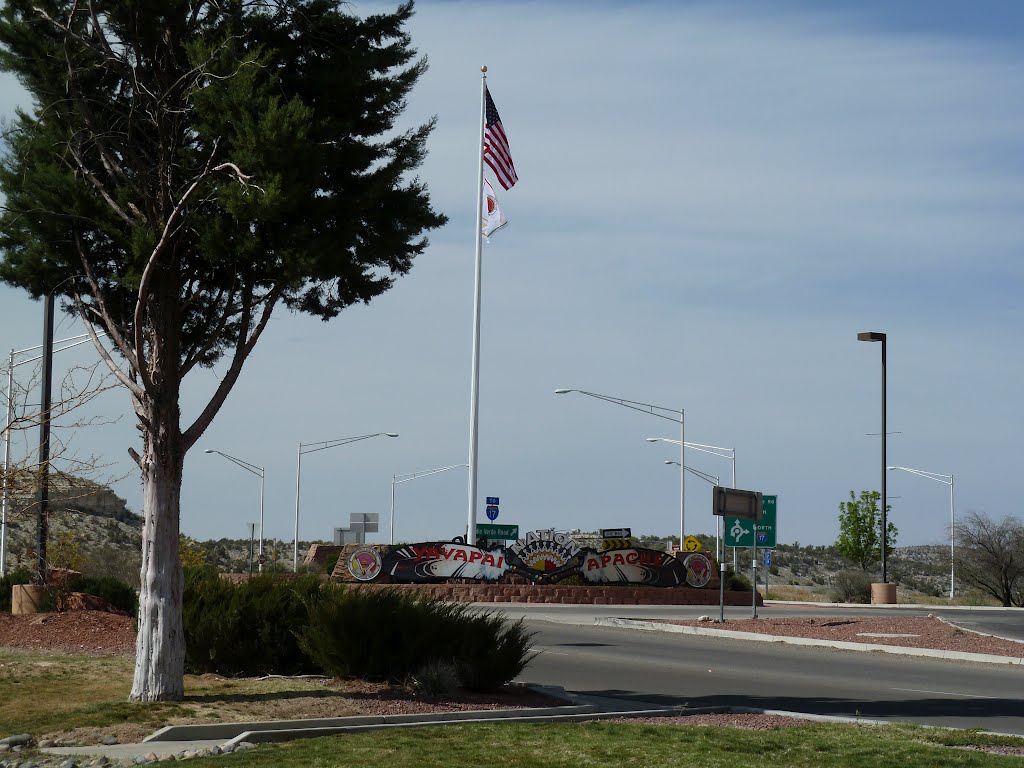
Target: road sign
(616, 533)
(739, 532)
(691, 544)
(492, 512)
(674, 547)
(497, 532)
(734, 502)
(607, 544)
(766, 557)
(492, 501)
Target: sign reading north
(440, 560)
(741, 533)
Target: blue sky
(714, 200)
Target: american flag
(496, 151)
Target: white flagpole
(474, 389)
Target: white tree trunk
(160, 647)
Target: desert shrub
(248, 628)
(436, 678)
(391, 635)
(851, 587)
(7, 583)
(736, 582)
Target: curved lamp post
(722, 453)
(261, 474)
(404, 478)
(659, 411)
(322, 445)
(945, 480)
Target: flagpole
(474, 389)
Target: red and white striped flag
(496, 151)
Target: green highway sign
(740, 532)
(497, 532)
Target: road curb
(915, 606)
(653, 626)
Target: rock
(244, 745)
(69, 764)
(108, 740)
(704, 618)
(19, 739)
(44, 743)
(151, 757)
(4, 747)
(227, 748)
(140, 760)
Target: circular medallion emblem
(698, 570)
(364, 563)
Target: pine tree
(186, 167)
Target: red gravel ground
(924, 632)
(83, 632)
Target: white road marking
(948, 693)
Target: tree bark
(160, 646)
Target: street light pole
(879, 336)
(945, 480)
(714, 450)
(652, 410)
(322, 445)
(262, 475)
(413, 476)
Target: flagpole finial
(484, 69)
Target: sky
(714, 199)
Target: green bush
(248, 628)
(851, 587)
(114, 591)
(393, 635)
(7, 583)
(736, 582)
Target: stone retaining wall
(569, 595)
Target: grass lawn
(47, 694)
(611, 745)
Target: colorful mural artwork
(440, 560)
(364, 564)
(543, 557)
(698, 569)
(633, 566)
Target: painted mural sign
(633, 566)
(440, 560)
(544, 555)
(698, 569)
(364, 563)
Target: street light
(879, 336)
(651, 410)
(261, 474)
(413, 476)
(945, 480)
(708, 478)
(714, 450)
(322, 445)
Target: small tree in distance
(990, 556)
(860, 530)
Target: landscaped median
(908, 635)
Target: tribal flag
(493, 219)
(496, 151)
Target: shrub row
(268, 625)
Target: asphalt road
(672, 669)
